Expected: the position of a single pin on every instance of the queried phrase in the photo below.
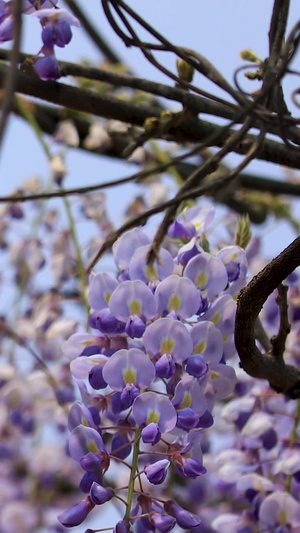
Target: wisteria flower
(177, 294)
(155, 413)
(133, 302)
(138, 268)
(129, 367)
(126, 245)
(207, 273)
(167, 336)
(280, 509)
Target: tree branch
(278, 341)
(193, 130)
(282, 378)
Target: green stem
(81, 270)
(293, 437)
(135, 456)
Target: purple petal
(129, 366)
(177, 294)
(100, 495)
(168, 336)
(150, 407)
(77, 514)
(184, 518)
(101, 287)
(47, 68)
(84, 440)
(132, 298)
(138, 268)
(156, 473)
(126, 245)
(207, 341)
(208, 273)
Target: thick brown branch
(283, 378)
(278, 341)
(193, 130)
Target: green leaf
(243, 232)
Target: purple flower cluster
(56, 31)
(163, 334)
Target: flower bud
(76, 514)
(100, 495)
(157, 472)
(249, 55)
(184, 518)
(151, 433)
(185, 70)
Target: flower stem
(81, 270)
(136, 450)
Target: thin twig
(209, 166)
(90, 188)
(174, 202)
(94, 34)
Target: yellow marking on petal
(216, 318)
(107, 297)
(198, 225)
(152, 417)
(282, 517)
(167, 346)
(135, 308)
(89, 342)
(174, 303)
(129, 376)
(200, 347)
(225, 338)
(214, 374)
(91, 446)
(187, 401)
(151, 272)
(96, 362)
(85, 422)
(201, 280)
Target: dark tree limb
(194, 130)
(278, 341)
(282, 377)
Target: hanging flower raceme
(158, 358)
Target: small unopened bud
(243, 232)
(185, 70)
(58, 168)
(166, 116)
(249, 55)
(150, 124)
(253, 75)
